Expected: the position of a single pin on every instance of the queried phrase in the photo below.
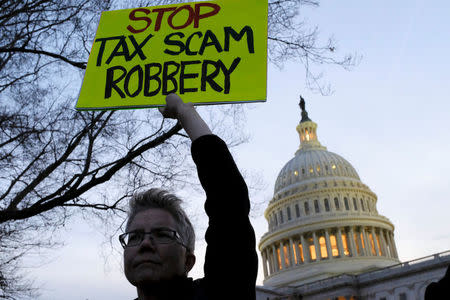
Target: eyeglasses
(157, 236)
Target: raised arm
(231, 257)
(191, 121)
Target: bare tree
(56, 161)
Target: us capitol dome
(323, 220)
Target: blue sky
(389, 117)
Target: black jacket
(231, 262)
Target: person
(159, 239)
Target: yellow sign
(206, 52)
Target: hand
(175, 107)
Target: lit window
(323, 247)
(307, 134)
(316, 206)
(333, 167)
(345, 244)
(312, 249)
(300, 246)
(362, 239)
(372, 244)
(334, 248)
(294, 253)
(311, 170)
(318, 168)
(279, 257)
(295, 173)
(286, 256)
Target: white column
(275, 256)
(297, 252)
(305, 246)
(328, 243)
(283, 262)
(375, 243)
(360, 244)
(339, 242)
(393, 244)
(264, 260)
(291, 254)
(351, 242)
(366, 242)
(383, 243)
(270, 259)
(316, 246)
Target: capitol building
(326, 238)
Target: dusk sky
(389, 117)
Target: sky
(389, 117)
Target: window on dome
(300, 246)
(281, 217)
(336, 203)
(312, 250)
(316, 206)
(294, 253)
(307, 134)
(306, 208)
(323, 247)
(303, 171)
(402, 296)
(355, 207)
(318, 168)
(326, 168)
(286, 256)
(288, 213)
(346, 203)
(372, 244)
(334, 248)
(279, 257)
(276, 219)
(311, 170)
(326, 204)
(379, 245)
(333, 167)
(297, 211)
(296, 173)
(345, 243)
(362, 205)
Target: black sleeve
(231, 262)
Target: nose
(147, 242)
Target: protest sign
(206, 52)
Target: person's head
(150, 261)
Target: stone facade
(406, 281)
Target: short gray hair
(159, 198)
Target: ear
(190, 261)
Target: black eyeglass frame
(176, 237)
